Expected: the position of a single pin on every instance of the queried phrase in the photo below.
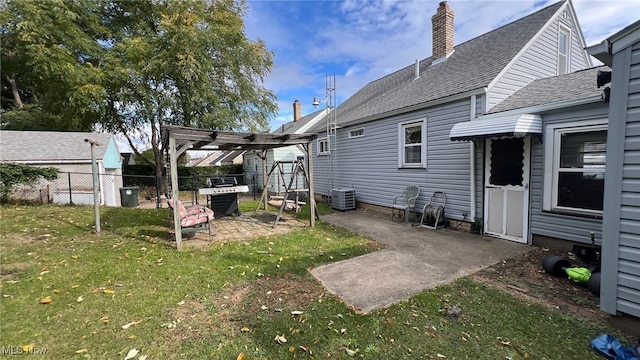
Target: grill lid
(224, 181)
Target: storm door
(506, 206)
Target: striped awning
(516, 125)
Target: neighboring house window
(574, 176)
(356, 133)
(412, 144)
(323, 146)
(564, 45)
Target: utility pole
(96, 195)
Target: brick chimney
(442, 25)
(297, 110)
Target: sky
(360, 41)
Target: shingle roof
(293, 126)
(50, 146)
(473, 65)
(573, 86)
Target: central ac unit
(343, 199)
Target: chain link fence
(144, 191)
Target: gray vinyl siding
(539, 60)
(369, 164)
(479, 163)
(561, 226)
(620, 290)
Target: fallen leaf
(74, 286)
(108, 291)
(82, 351)
(143, 357)
(351, 352)
(44, 272)
(131, 354)
(304, 348)
(441, 356)
(280, 339)
(131, 336)
(342, 331)
(245, 329)
(263, 307)
(126, 326)
(56, 291)
(241, 356)
(79, 299)
(45, 300)
(296, 312)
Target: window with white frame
(356, 133)
(323, 146)
(412, 144)
(564, 46)
(574, 178)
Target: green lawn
(126, 289)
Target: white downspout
(472, 163)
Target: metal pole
(70, 193)
(96, 196)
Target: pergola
(181, 139)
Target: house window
(412, 147)
(356, 133)
(323, 146)
(576, 174)
(564, 43)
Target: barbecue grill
(222, 195)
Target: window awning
(516, 125)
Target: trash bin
(129, 196)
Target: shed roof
(473, 65)
(50, 146)
(573, 86)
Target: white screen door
(506, 207)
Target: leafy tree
(12, 174)
(131, 67)
(48, 75)
(185, 63)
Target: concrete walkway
(417, 259)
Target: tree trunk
(16, 94)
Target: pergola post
(265, 181)
(175, 192)
(312, 196)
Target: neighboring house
(397, 130)
(128, 158)
(620, 277)
(253, 162)
(69, 152)
(218, 158)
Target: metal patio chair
(405, 202)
